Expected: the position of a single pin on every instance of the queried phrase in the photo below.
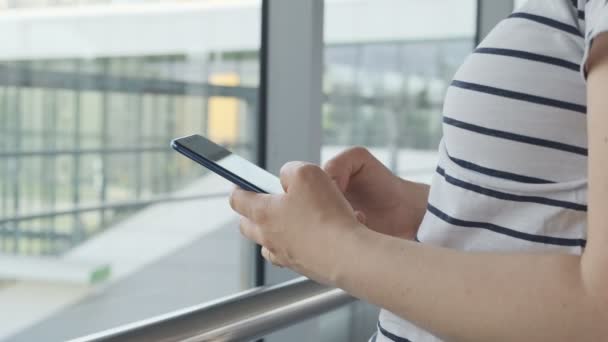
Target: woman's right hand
(390, 205)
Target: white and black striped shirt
(512, 173)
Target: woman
(514, 229)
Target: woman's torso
(513, 160)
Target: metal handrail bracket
(243, 317)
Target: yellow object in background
(223, 124)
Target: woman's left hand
(305, 229)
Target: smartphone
(232, 167)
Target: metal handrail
(243, 317)
(86, 81)
(112, 206)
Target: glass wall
(387, 68)
(388, 64)
(101, 222)
(82, 133)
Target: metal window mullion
(28, 117)
(356, 103)
(294, 88)
(293, 61)
(50, 165)
(3, 167)
(259, 264)
(78, 229)
(16, 168)
(138, 140)
(105, 112)
(53, 166)
(170, 131)
(44, 176)
(205, 97)
(156, 124)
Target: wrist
(413, 207)
(348, 254)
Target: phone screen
(227, 164)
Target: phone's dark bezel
(214, 167)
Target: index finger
(250, 204)
(292, 170)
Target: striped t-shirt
(512, 171)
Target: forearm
(474, 296)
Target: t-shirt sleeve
(596, 23)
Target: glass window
(388, 64)
(101, 223)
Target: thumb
(346, 165)
(339, 174)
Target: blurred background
(101, 223)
